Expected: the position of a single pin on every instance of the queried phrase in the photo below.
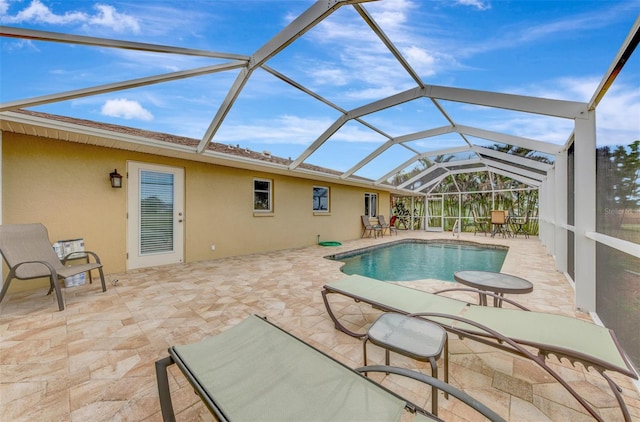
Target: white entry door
(155, 223)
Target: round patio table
(498, 283)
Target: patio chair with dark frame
(29, 254)
(390, 227)
(370, 228)
(257, 371)
(499, 219)
(521, 225)
(478, 224)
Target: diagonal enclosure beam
(32, 34)
(543, 106)
(315, 95)
(387, 42)
(535, 105)
(382, 104)
(118, 86)
(527, 162)
(515, 176)
(503, 138)
(514, 170)
(299, 26)
(315, 14)
(399, 140)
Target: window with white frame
(371, 204)
(262, 194)
(320, 199)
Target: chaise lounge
(257, 371)
(507, 329)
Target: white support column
(541, 213)
(550, 229)
(546, 212)
(561, 190)
(1, 221)
(585, 214)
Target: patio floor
(95, 360)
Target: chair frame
(492, 338)
(368, 227)
(479, 225)
(520, 225)
(386, 226)
(500, 222)
(49, 265)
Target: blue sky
(545, 48)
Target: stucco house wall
(65, 186)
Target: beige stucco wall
(65, 186)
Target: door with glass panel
(155, 218)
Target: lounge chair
(28, 254)
(479, 225)
(370, 228)
(507, 329)
(388, 227)
(257, 371)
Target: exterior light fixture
(116, 179)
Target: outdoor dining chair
(521, 225)
(478, 224)
(499, 222)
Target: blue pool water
(410, 261)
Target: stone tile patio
(95, 360)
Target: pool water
(417, 260)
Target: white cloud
(285, 129)
(38, 12)
(126, 109)
(478, 4)
(392, 14)
(4, 6)
(108, 17)
(616, 115)
(330, 76)
(421, 60)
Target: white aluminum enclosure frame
(550, 179)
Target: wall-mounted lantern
(116, 179)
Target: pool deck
(95, 360)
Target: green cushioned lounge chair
(255, 371)
(511, 330)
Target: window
(156, 212)
(321, 199)
(371, 204)
(262, 195)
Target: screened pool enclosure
(580, 185)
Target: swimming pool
(409, 260)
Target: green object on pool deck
(330, 243)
